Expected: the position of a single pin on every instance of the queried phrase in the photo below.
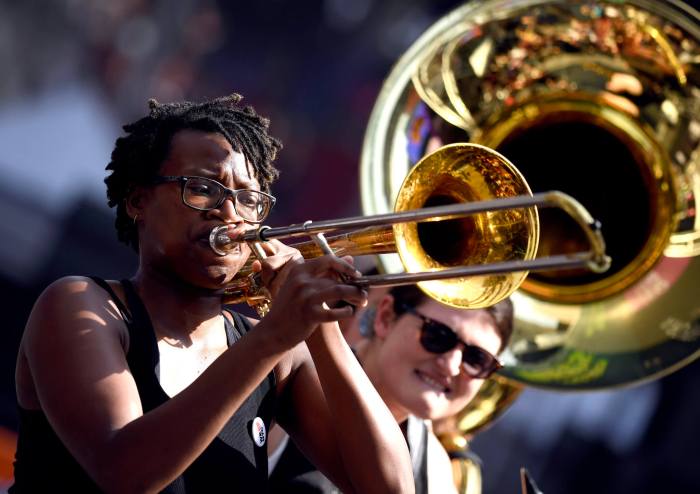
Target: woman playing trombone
(149, 384)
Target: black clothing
(295, 474)
(42, 462)
(232, 462)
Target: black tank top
(294, 473)
(233, 462)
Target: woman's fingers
(279, 256)
(333, 296)
(275, 268)
(306, 293)
(320, 286)
(277, 248)
(324, 314)
(326, 265)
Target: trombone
(464, 262)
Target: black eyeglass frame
(493, 365)
(233, 193)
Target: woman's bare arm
(341, 422)
(73, 346)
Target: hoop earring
(136, 217)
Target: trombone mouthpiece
(219, 241)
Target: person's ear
(135, 202)
(384, 317)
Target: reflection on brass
(465, 226)
(451, 175)
(681, 330)
(599, 100)
(461, 174)
(494, 398)
(576, 368)
(467, 475)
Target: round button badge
(257, 429)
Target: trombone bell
(465, 227)
(460, 173)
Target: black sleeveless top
(233, 461)
(294, 473)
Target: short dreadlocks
(137, 157)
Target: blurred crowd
(74, 70)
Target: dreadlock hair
(138, 156)
(501, 312)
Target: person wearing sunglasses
(427, 361)
(151, 384)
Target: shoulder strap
(144, 336)
(138, 311)
(417, 438)
(143, 356)
(239, 327)
(123, 310)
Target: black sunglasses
(437, 337)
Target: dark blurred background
(74, 71)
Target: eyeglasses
(436, 337)
(205, 194)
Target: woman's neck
(176, 308)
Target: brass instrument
(493, 399)
(465, 192)
(598, 99)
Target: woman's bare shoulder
(73, 304)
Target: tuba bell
(598, 99)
